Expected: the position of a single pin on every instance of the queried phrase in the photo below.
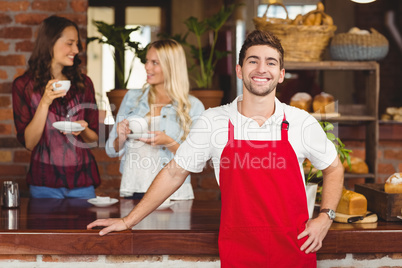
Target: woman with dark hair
(62, 165)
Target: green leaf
(339, 145)
(195, 26)
(221, 54)
(218, 20)
(331, 136)
(328, 126)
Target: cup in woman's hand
(137, 124)
(62, 85)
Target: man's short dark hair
(257, 38)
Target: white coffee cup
(62, 85)
(137, 124)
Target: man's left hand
(316, 230)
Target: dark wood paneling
(59, 227)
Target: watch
(329, 212)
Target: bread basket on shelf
(302, 43)
(359, 47)
(262, 22)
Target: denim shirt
(136, 103)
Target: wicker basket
(359, 47)
(300, 42)
(264, 20)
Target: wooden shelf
(354, 176)
(333, 65)
(350, 176)
(345, 118)
(365, 114)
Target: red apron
(264, 204)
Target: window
(151, 16)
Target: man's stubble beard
(253, 91)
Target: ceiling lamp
(363, 1)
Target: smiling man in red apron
(257, 145)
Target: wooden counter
(52, 226)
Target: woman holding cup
(53, 89)
(152, 122)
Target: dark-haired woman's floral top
(58, 160)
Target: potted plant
(204, 60)
(119, 38)
(314, 175)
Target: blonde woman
(168, 109)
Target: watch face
(331, 214)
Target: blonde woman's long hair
(174, 67)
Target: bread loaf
(393, 185)
(298, 20)
(302, 101)
(392, 113)
(310, 19)
(320, 6)
(358, 166)
(324, 103)
(352, 203)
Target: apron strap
(230, 131)
(285, 128)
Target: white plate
(165, 206)
(67, 126)
(399, 217)
(102, 203)
(136, 136)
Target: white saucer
(102, 203)
(136, 136)
(67, 126)
(165, 206)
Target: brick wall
(200, 261)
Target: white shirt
(209, 136)
(142, 164)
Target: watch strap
(325, 210)
(329, 212)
